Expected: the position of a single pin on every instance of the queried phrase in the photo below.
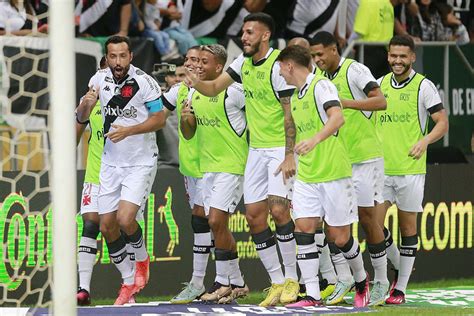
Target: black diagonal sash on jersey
(322, 19)
(119, 101)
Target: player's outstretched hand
(418, 149)
(287, 168)
(118, 133)
(191, 78)
(305, 146)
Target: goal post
(63, 157)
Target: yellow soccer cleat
(326, 288)
(291, 289)
(273, 295)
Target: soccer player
(176, 98)
(411, 99)
(220, 125)
(323, 187)
(270, 162)
(132, 110)
(360, 96)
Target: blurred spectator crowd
(174, 25)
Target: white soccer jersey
(429, 101)
(124, 103)
(359, 79)
(310, 17)
(279, 84)
(325, 93)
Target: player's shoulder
(359, 68)
(427, 85)
(144, 79)
(236, 88)
(103, 75)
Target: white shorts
(89, 198)
(333, 200)
(132, 184)
(193, 190)
(222, 191)
(405, 191)
(368, 179)
(260, 181)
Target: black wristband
(82, 123)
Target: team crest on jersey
(126, 91)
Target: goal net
(29, 180)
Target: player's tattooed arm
(288, 166)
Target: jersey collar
(261, 61)
(403, 83)
(331, 77)
(305, 87)
(130, 72)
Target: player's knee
(278, 204)
(107, 228)
(216, 224)
(200, 224)
(125, 222)
(90, 229)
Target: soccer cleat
(237, 292)
(291, 288)
(83, 297)
(362, 293)
(326, 288)
(126, 294)
(378, 294)
(340, 290)
(397, 297)
(142, 273)
(188, 294)
(305, 302)
(216, 292)
(273, 295)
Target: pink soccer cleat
(362, 295)
(126, 294)
(305, 302)
(397, 297)
(142, 273)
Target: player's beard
(253, 49)
(406, 68)
(122, 71)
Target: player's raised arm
(209, 88)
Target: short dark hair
(116, 39)
(323, 38)
(218, 51)
(402, 40)
(195, 47)
(298, 54)
(102, 63)
(263, 18)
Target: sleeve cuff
(286, 93)
(436, 108)
(234, 75)
(167, 104)
(370, 86)
(330, 104)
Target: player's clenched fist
(91, 97)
